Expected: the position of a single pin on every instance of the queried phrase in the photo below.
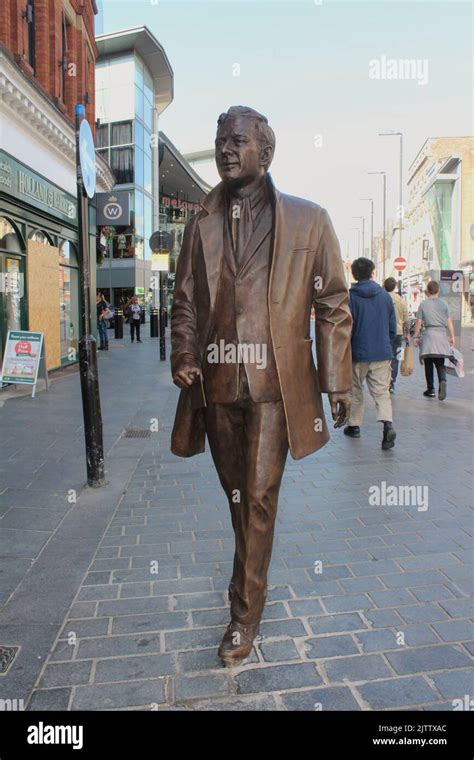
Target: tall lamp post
(401, 212)
(363, 232)
(384, 222)
(371, 226)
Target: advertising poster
(22, 357)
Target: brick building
(47, 66)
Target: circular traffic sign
(87, 158)
(400, 263)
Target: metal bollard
(142, 319)
(154, 323)
(118, 322)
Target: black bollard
(162, 335)
(118, 322)
(154, 323)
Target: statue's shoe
(237, 643)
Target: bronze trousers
(249, 446)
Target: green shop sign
(22, 183)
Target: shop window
(121, 133)
(68, 254)
(122, 164)
(40, 237)
(10, 240)
(101, 135)
(68, 313)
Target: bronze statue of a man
(252, 264)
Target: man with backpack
(374, 328)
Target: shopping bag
(408, 362)
(454, 363)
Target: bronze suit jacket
(306, 269)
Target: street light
(363, 232)
(371, 226)
(401, 213)
(384, 174)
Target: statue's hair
(265, 133)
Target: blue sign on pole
(87, 158)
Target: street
(116, 598)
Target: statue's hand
(340, 407)
(186, 375)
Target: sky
(316, 70)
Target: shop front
(39, 279)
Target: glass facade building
(127, 107)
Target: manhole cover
(7, 655)
(136, 433)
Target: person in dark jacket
(373, 331)
(134, 312)
(102, 307)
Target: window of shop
(12, 281)
(40, 237)
(68, 302)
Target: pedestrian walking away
(135, 317)
(102, 308)
(403, 323)
(374, 328)
(436, 339)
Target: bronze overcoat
(306, 269)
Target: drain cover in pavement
(136, 433)
(7, 655)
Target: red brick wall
(48, 74)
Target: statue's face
(240, 157)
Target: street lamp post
(384, 222)
(363, 232)
(401, 212)
(371, 226)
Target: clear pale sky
(306, 67)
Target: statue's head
(245, 144)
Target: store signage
(24, 352)
(22, 183)
(113, 208)
(176, 203)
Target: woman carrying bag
(435, 345)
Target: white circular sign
(87, 158)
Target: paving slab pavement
(118, 601)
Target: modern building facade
(134, 84)
(439, 219)
(181, 193)
(47, 57)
